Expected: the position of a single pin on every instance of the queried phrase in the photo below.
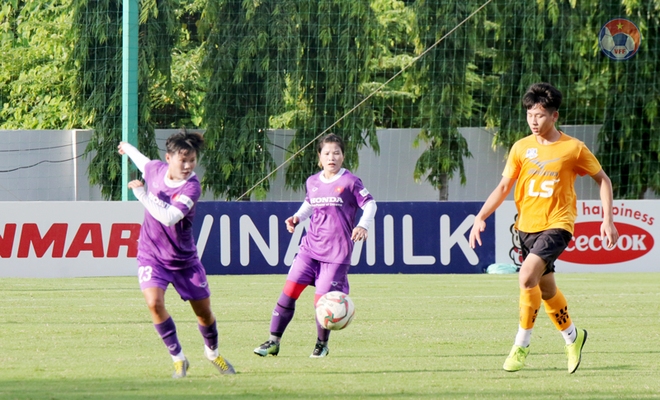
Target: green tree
(34, 84)
(550, 41)
(557, 41)
(333, 56)
(97, 60)
(177, 98)
(446, 101)
(629, 141)
(248, 50)
(395, 44)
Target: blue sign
(407, 237)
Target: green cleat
(180, 369)
(320, 350)
(223, 365)
(574, 351)
(516, 359)
(268, 347)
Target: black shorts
(546, 244)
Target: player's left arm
(367, 203)
(360, 232)
(607, 228)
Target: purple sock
(167, 332)
(210, 334)
(282, 315)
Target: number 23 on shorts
(144, 274)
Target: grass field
(413, 337)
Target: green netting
(240, 69)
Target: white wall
(48, 166)
(45, 165)
(389, 175)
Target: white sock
(569, 334)
(275, 339)
(523, 337)
(178, 357)
(211, 354)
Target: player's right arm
(139, 159)
(305, 211)
(494, 200)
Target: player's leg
(154, 282)
(556, 305)
(192, 286)
(206, 322)
(529, 303)
(301, 274)
(332, 277)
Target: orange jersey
(545, 193)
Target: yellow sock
(557, 310)
(529, 304)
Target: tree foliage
(35, 85)
(446, 101)
(97, 60)
(556, 41)
(543, 42)
(248, 50)
(395, 46)
(333, 52)
(629, 141)
(239, 68)
(177, 97)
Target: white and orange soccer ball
(335, 310)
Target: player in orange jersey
(543, 167)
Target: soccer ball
(335, 310)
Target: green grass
(414, 337)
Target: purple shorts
(190, 283)
(327, 277)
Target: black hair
(330, 138)
(184, 142)
(543, 94)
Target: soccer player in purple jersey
(333, 198)
(166, 249)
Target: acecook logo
(587, 247)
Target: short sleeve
(307, 190)
(513, 165)
(586, 163)
(362, 195)
(151, 168)
(187, 197)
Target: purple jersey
(171, 247)
(335, 203)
